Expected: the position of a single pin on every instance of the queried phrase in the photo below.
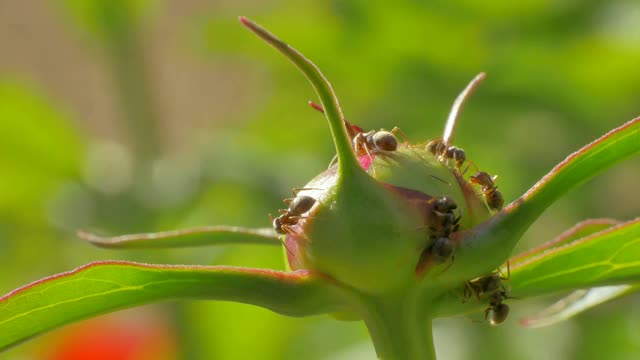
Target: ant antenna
(457, 107)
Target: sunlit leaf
(102, 287)
(608, 257)
(499, 234)
(581, 229)
(579, 300)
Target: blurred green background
(129, 116)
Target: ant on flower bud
(370, 141)
(376, 140)
(492, 286)
(443, 223)
(439, 148)
(498, 310)
(489, 189)
(297, 206)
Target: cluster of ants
(441, 220)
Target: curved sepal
(200, 236)
(102, 287)
(347, 161)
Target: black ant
(491, 285)
(376, 140)
(441, 147)
(297, 206)
(441, 247)
(370, 141)
(497, 311)
(489, 189)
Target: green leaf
(450, 304)
(580, 230)
(200, 236)
(607, 257)
(580, 300)
(101, 287)
(498, 235)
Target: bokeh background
(138, 115)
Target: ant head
(458, 154)
(277, 226)
(445, 204)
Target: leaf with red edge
(608, 257)
(498, 235)
(579, 230)
(102, 287)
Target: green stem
(399, 331)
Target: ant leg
(448, 266)
(284, 243)
(360, 143)
(486, 313)
(437, 178)
(295, 191)
(402, 134)
(443, 157)
(333, 161)
(470, 163)
(502, 277)
(356, 143)
(469, 292)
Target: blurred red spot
(115, 337)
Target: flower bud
(372, 231)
